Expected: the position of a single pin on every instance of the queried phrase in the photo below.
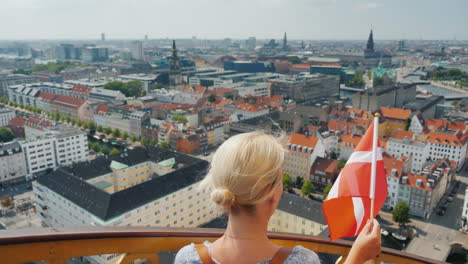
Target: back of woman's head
(244, 170)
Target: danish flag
(348, 204)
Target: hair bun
(223, 197)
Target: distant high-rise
(285, 41)
(137, 50)
(401, 45)
(146, 37)
(251, 43)
(175, 75)
(103, 37)
(302, 45)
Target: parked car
(441, 212)
(450, 198)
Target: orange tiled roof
(17, 121)
(326, 165)
(362, 122)
(444, 139)
(68, 101)
(302, 140)
(393, 163)
(81, 89)
(301, 66)
(395, 113)
(196, 88)
(222, 91)
(352, 140)
(337, 125)
(47, 96)
(412, 179)
(401, 134)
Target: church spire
(370, 42)
(175, 66)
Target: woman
(245, 180)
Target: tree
(307, 188)
(73, 121)
(144, 141)
(68, 119)
(116, 133)
(6, 134)
(22, 71)
(107, 130)
(400, 213)
(357, 80)
(124, 135)
(153, 142)
(7, 202)
(179, 118)
(287, 182)
(326, 190)
(133, 138)
(155, 86)
(165, 145)
(92, 127)
(212, 98)
(341, 163)
(3, 99)
(96, 147)
(333, 155)
(133, 88)
(105, 150)
(99, 128)
(299, 181)
(408, 124)
(79, 123)
(114, 151)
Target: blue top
(299, 254)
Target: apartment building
(347, 145)
(403, 145)
(120, 118)
(297, 215)
(324, 171)
(302, 152)
(393, 119)
(58, 146)
(12, 164)
(141, 187)
(7, 79)
(6, 114)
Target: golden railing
(57, 245)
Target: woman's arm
(367, 244)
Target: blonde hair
(244, 170)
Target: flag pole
(374, 163)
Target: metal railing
(58, 245)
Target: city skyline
(305, 19)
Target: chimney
(394, 172)
(419, 182)
(404, 179)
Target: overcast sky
(215, 19)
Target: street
(437, 234)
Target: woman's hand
(367, 244)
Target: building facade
(12, 164)
(6, 114)
(302, 152)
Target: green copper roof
(103, 185)
(381, 71)
(167, 163)
(117, 165)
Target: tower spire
(285, 41)
(370, 42)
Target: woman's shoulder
(299, 254)
(187, 255)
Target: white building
(6, 114)
(447, 145)
(302, 152)
(407, 147)
(245, 88)
(161, 190)
(59, 146)
(137, 50)
(12, 163)
(416, 125)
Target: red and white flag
(348, 204)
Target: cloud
(367, 5)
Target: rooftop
(70, 182)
